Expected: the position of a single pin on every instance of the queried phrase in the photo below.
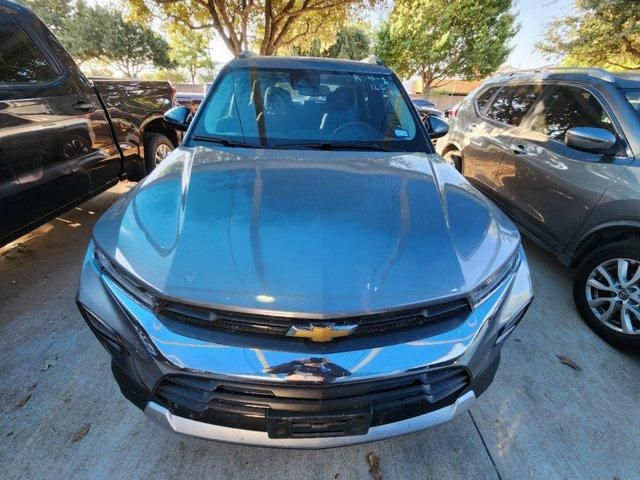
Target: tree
(189, 50)
(98, 33)
(268, 25)
(52, 12)
(440, 40)
(352, 43)
(600, 33)
(315, 32)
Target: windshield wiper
(332, 146)
(306, 145)
(223, 141)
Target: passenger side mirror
(590, 139)
(178, 117)
(436, 126)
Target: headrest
(276, 99)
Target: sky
(532, 16)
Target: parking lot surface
(62, 415)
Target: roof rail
(373, 59)
(590, 71)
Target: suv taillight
(452, 112)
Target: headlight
(486, 288)
(138, 292)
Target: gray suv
(559, 150)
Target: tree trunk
(427, 80)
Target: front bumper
(164, 417)
(146, 352)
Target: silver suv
(303, 271)
(559, 150)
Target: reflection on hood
(317, 232)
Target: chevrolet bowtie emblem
(323, 332)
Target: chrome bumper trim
(161, 415)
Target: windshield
(633, 97)
(295, 108)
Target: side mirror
(178, 117)
(590, 139)
(436, 126)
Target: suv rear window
(20, 59)
(485, 97)
(569, 107)
(512, 103)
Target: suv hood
(326, 233)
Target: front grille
(250, 405)
(252, 324)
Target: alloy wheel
(161, 152)
(613, 294)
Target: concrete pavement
(540, 418)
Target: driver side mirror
(590, 139)
(178, 117)
(436, 126)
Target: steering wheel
(356, 124)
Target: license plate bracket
(296, 425)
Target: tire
(620, 316)
(156, 148)
(454, 158)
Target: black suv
(559, 151)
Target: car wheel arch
(452, 147)
(603, 234)
(158, 125)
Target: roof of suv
(585, 75)
(310, 63)
(628, 80)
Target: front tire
(156, 148)
(606, 291)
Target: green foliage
(351, 43)
(189, 50)
(52, 12)
(602, 33)
(96, 69)
(99, 33)
(315, 49)
(439, 39)
(266, 25)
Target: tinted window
(523, 98)
(20, 59)
(633, 97)
(570, 107)
(499, 109)
(485, 96)
(512, 103)
(280, 107)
